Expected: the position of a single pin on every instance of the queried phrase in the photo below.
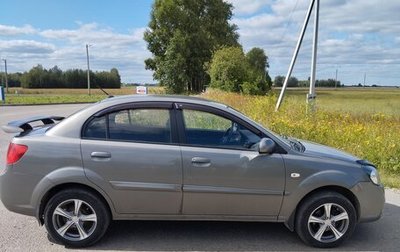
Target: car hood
(319, 150)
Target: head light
(371, 171)
(374, 176)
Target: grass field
(44, 96)
(354, 100)
(362, 121)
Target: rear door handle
(99, 154)
(201, 161)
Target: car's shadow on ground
(238, 236)
(195, 236)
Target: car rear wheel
(76, 218)
(325, 219)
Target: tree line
(40, 77)
(294, 82)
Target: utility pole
(88, 68)
(336, 78)
(296, 52)
(365, 76)
(311, 94)
(5, 70)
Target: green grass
(49, 96)
(353, 100)
(52, 98)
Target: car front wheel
(76, 218)
(325, 219)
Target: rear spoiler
(24, 125)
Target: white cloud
(92, 33)
(6, 30)
(66, 49)
(263, 20)
(356, 35)
(26, 47)
(363, 16)
(248, 6)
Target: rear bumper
(371, 199)
(16, 191)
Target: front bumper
(371, 199)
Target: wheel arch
(60, 187)
(290, 222)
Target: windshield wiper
(297, 145)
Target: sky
(356, 37)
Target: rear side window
(96, 128)
(138, 125)
(144, 125)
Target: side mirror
(266, 146)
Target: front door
(223, 172)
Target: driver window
(207, 129)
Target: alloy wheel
(328, 222)
(74, 220)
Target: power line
(289, 21)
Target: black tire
(92, 218)
(335, 229)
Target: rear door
(131, 152)
(223, 172)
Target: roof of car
(169, 98)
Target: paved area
(22, 233)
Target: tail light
(15, 152)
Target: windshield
(284, 139)
(292, 142)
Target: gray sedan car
(180, 158)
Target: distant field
(44, 96)
(362, 121)
(354, 100)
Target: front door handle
(201, 161)
(100, 154)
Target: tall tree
(292, 82)
(34, 78)
(279, 79)
(258, 61)
(229, 69)
(182, 36)
(232, 70)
